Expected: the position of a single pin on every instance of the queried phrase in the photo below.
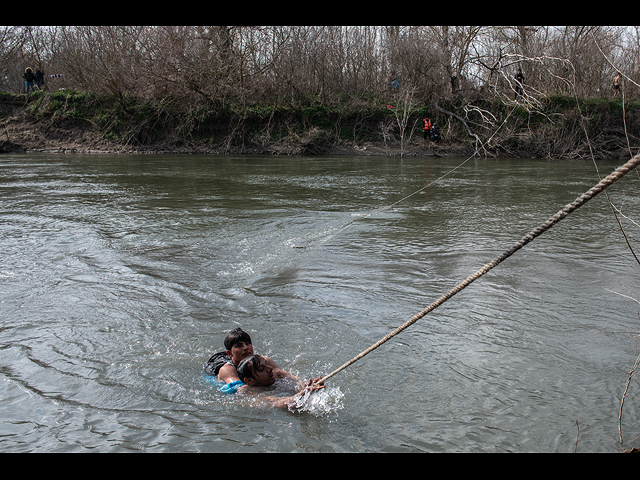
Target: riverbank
(41, 123)
(80, 122)
(21, 136)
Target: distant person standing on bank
(519, 83)
(29, 78)
(617, 84)
(39, 79)
(427, 128)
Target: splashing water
(320, 403)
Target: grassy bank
(86, 122)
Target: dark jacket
(216, 362)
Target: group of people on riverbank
(431, 131)
(33, 80)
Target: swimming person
(223, 365)
(257, 374)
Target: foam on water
(320, 403)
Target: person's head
(238, 345)
(255, 372)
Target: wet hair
(248, 366)
(236, 336)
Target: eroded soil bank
(80, 122)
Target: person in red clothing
(427, 128)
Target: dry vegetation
(317, 89)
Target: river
(121, 275)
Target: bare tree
(11, 41)
(455, 47)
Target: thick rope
(570, 208)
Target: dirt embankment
(20, 132)
(79, 122)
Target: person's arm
(288, 402)
(228, 374)
(284, 402)
(277, 371)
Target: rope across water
(570, 208)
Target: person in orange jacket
(427, 128)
